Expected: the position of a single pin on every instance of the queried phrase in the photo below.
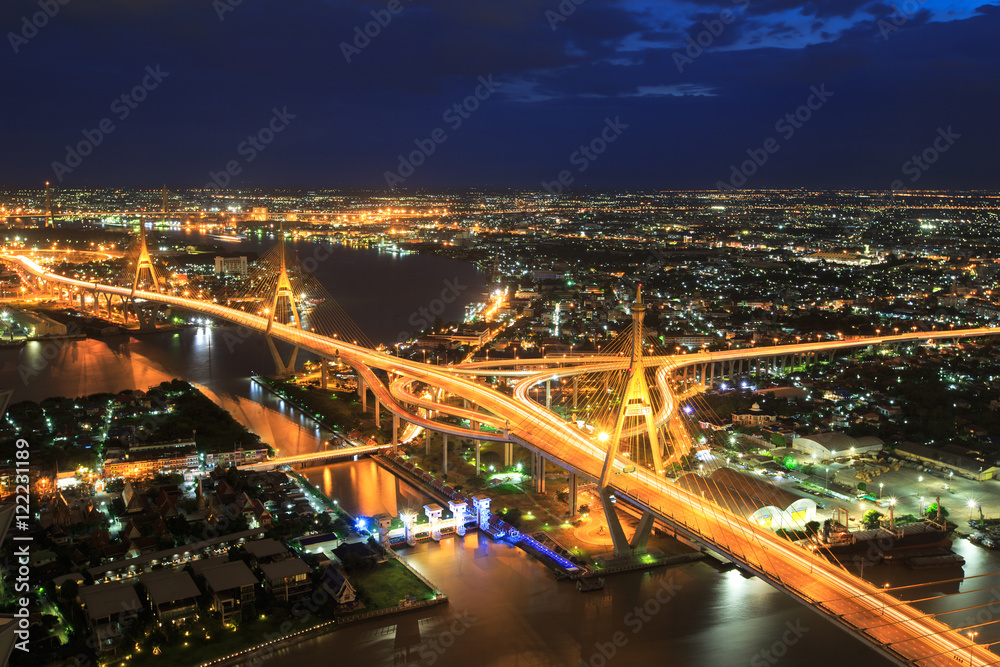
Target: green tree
(932, 511)
(862, 486)
(871, 519)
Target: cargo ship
(877, 544)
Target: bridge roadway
(526, 367)
(896, 630)
(315, 457)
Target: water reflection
(364, 488)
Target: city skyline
(569, 95)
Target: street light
(885, 594)
(880, 485)
(972, 642)
(919, 480)
(972, 505)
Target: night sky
(885, 82)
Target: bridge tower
(635, 403)
(50, 220)
(283, 297)
(152, 283)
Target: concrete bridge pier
(475, 427)
(508, 453)
(576, 389)
(324, 374)
(378, 412)
(395, 433)
(548, 393)
(282, 368)
(444, 454)
(363, 392)
(572, 495)
(539, 472)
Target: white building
(831, 445)
(231, 265)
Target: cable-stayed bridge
(633, 399)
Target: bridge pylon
(283, 297)
(146, 316)
(636, 403)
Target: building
(830, 445)
(231, 266)
(151, 462)
(287, 579)
(36, 324)
(231, 585)
(968, 464)
(173, 595)
(759, 501)
(755, 416)
(336, 583)
(109, 610)
(267, 550)
(259, 214)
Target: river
(524, 617)
(505, 608)
(220, 363)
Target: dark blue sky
(893, 82)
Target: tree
(932, 511)
(583, 509)
(871, 519)
(862, 486)
(812, 527)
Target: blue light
(361, 525)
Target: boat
(588, 584)
(944, 560)
(925, 534)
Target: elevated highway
(893, 628)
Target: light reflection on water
(364, 488)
